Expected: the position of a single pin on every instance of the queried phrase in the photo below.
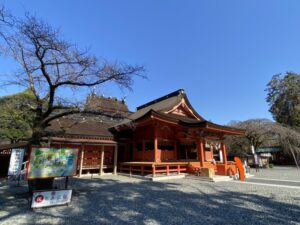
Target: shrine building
(163, 136)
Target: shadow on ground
(105, 201)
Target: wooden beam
(81, 160)
(115, 159)
(102, 161)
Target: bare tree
(50, 65)
(2, 13)
(263, 132)
(257, 131)
(6, 21)
(289, 140)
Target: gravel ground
(279, 172)
(124, 200)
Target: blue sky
(223, 53)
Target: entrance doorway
(187, 150)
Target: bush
(271, 165)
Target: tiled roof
(164, 104)
(91, 125)
(99, 103)
(82, 126)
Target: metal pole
(67, 182)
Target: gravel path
(279, 172)
(274, 182)
(124, 200)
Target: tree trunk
(293, 154)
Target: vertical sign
(16, 160)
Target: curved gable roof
(167, 104)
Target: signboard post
(46, 164)
(52, 162)
(50, 198)
(15, 164)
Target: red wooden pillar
(224, 153)
(143, 170)
(201, 152)
(223, 147)
(175, 150)
(212, 151)
(134, 150)
(156, 154)
(143, 151)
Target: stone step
(214, 178)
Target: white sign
(252, 149)
(16, 160)
(51, 198)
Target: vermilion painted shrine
(165, 136)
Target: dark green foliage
(284, 98)
(16, 116)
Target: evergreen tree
(16, 116)
(284, 98)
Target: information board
(52, 162)
(16, 160)
(51, 198)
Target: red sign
(39, 198)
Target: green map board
(52, 162)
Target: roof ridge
(172, 94)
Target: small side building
(90, 133)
